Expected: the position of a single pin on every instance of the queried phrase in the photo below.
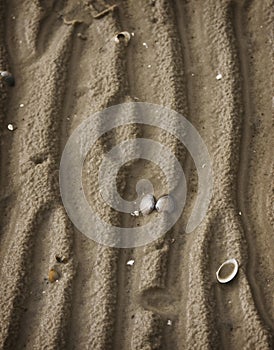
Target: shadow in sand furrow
(46, 305)
(38, 178)
(161, 61)
(227, 104)
(48, 24)
(248, 112)
(102, 85)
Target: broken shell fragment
(147, 204)
(7, 77)
(61, 259)
(227, 271)
(53, 275)
(165, 204)
(122, 37)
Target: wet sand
(65, 71)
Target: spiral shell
(165, 204)
(147, 204)
(227, 271)
(53, 276)
(7, 77)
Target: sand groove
(64, 73)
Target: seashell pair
(148, 204)
(7, 77)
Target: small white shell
(122, 37)
(5, 74)
(10, 127)
(147, 204)
(7, 77)
(165, 203)
(130, 262)
(227, 276)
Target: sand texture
(66, 67)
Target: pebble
(169, 323)
(53, 276)
(145, 45)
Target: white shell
(130, 262)
(10, 127)
(165, 203)
(5, 74)
(231, 275)
(219, 76)
(147, 204)
(122, 37)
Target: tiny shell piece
(227, 271)
(130, 262)
(147, 204)
(53, 276)
(122, 37)
(165, 203)
(61, 259)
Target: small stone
(240, 213)
(21, 105)
(145, 45)
(149, 66)
(81, 36)
(135, 213)
(169, 323)
(53, 276)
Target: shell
(7, 77)
(227, 276)
(147, 204)
(61, 259)
(53, 276)
(165, 204)
(122, 37)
